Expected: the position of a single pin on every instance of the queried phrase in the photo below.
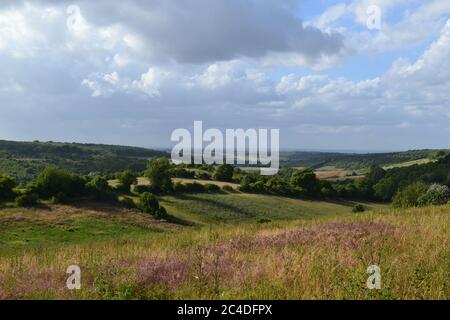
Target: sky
(130, 72)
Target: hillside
(325, 257)
(318, 160)
(24, 160)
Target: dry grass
(204, 182)
(323, 258)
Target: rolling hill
(24, 160)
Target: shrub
(127, 203)
(203, 175)
(159, 174)
(224, 172)
(358, 208)
(7, 185)
(126, 180)
(409, 196)
(99, 189)
(52, 181)
(141, 188)
(179, 187)
(264, 221)
(436, 195)
(149, 204)
(212, 188)
(307, 180)
(60, 198)
(27, 200)
(194, 187)
(183, 173)
(227, 188)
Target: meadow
(322, 256)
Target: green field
(59, 225)
(243, 207)
(408, 163)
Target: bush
(436, 195)
(160, 175)
(183, 173)
(126, 180)
(52, 181)
(60, 198)
(149, 204)
(358, 208)
(264, 221)
(224, 173)
(127, 203)
(203, 176)
(179, 187)
(228, 188)
(306, 180)
(141, 189)
(7, 185)
(27, 200)
(99, 189)
(194, 187)
(409, 196)
(212, 188)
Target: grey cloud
(203, 31)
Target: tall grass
(321, 258)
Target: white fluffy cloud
(132, 72)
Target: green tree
(376, 173)
(52, 181)
(436, 195)
(159, 174)
(224, 172)
(7, 185)
(409, 196)
(306, 179)
(385, 189)
(126, 180)
(148, 203)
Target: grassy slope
(320, 258)
(58, 225)
(243, 207)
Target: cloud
(134, 71)
(419, 21)
(200, 31)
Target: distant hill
(317, 160)
(25, 159)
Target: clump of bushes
(159, 173)
(228, 188)
(139, 189)
(409, 196)
(99, 189)
(195, 187)
(436, 195)
(7, 185)
(126, 180)
(419, 194)
(358, 208)
(224, 173)
(52, 181)
(60, 198)
(212, 188)
(148, 203)
(127, 203)
(28, 199)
